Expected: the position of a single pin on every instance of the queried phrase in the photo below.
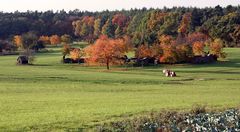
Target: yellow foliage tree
(18, 40)
(75, 54)
(216, 48)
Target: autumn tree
(120, 21)
(97, 27)
(169, 54)
(143, 51)
(156, 51)
(84, 28)
(196, 37)
(77, 25)
(184, 51)
(236, 35)
(44, 39)
(7, 46)
(29, 40)
(75, 53)
(18, 40)
(66, 50)
(156, 20)
(29, 43)
(66, 39)
(55, 39)
(184, 28)
(165, 39)
(118, 32)
(185, 24)
(106, 51)
(198, 48)
(107, 29)
(216, 48)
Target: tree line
(143, 26)
(112, 51)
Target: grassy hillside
(52, 96)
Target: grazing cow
(169, 73)
(165, 70)
(172, 74)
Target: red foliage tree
(120, 20)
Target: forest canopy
(143, 26)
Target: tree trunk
(108, 64)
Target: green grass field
(54, 96)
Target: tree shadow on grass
(40, 65)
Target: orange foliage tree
(106, 51)
(143, 51)
(55, 39)
(169, 51)
(165, 39)
(169, 54)
(185, 23)
(198, 48)
(156, 51)
(18, 40)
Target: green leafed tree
(108, 29)
(97, 27)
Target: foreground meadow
(53, 96)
